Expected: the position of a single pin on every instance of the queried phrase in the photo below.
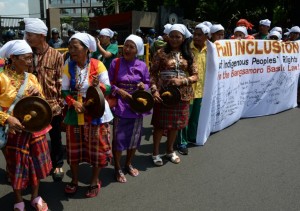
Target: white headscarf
(207, 23)
(182, 29)
(277, 28)
(295, 29)
(107, 32)
(14, 47)
(167, 28)
(88, 40)
(265, 22)
(275, 33)
(36, 26)
(241, 29)
(138, 43)
(215, 28)
(204, 28)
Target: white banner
(247, 78)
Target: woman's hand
(95, 81)
(79, 108)
(141, 86)
(156, 97)
(175, 82)
(14, 125)
(33, 91)
(125, 95)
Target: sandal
(38, 202)
(120, 177)
(20, 206)
(93, 190)
(157, 160)
(131, 171)
(71, 188)
(173, 157)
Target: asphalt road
(251, 165)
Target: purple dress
(127, 131)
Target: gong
(34, 113)
(170, 95)
(142, 101)
(94, 103)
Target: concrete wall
(53, 20)
(142, 19)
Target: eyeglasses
(26, 58)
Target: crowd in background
(178, 64)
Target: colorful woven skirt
(28, 159)
(88, 143)
(175, 117)
(127, 133)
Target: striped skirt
(127, 133)
(88, 143)
(27, 158)
(175, 117)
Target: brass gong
(94, 102)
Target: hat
(241, 29)
(295, 29)
(244, 22)
(265, 22)
(36, 26)
(182, 29)
(107, 32)
(15, 47)
(276, 28)
(138, 43)
(205, 29)
(88, 40)
(275, 33)
(167, 28)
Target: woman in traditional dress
(87, 137)
(27, 154)
(172, 66)
(130, 74)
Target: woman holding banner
(173, 68)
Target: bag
(112, 100)
(3, 136)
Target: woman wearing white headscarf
(87, 137)
(129, 74)
(27, 154)
(172, 67)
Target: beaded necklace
(16, 79)
(80, 79)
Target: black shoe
(182, 149)
(58, 175)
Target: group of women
(88, 138)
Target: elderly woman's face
(23, 61)
(129, 50)
(176, 39)
(77, 51)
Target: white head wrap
(182, 29)
(207, 23)
(241, 29)
(203, 27)
(295, 29)
(14, 47)
(167, 28)
(275, 33)
(215, 28)
(88, 40)
(107, 32)
(265, 22)
(138, 43)
(277, 28)
(36, 26)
